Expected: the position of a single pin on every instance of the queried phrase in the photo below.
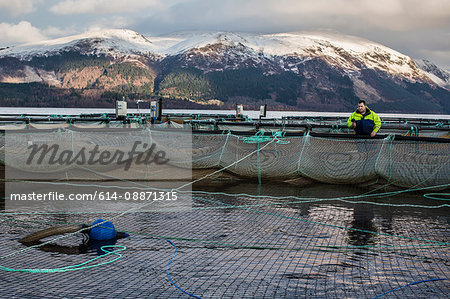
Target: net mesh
(417, 164)
(249, 240)
(327, 160)
(258, 157)
(242, 247)
(339, 161)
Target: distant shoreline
(249, 113)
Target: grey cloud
(102, 7)
(397, 15)
(17, 7)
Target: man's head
(362, 107)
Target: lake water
(244, 241)
(251, 114)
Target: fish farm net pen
(271, 216)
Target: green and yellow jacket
(366, 123)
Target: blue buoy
(103, 231)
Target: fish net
(404, 163)
(311, 245)
(273, 239)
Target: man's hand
(373, 134)
(354, 124)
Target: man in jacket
(364, 121)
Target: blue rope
(168, 274)
(409, 284)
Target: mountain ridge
(325, 70)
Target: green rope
(262, 246)
(299, 201)
(437, 196)
(145, 187)
(279, 136)
(81, 266)
(136, 120)
(259, 137)
(223, 148)
(306, 139)
(390, 139)
(68, 268)
(259, 165)
(390, 159)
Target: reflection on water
(362, 226)
(341, 205)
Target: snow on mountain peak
(180, 42)
(349, 53)
(104, 41)
(280, 44)
(438, 75)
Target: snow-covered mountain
(112, 42)
(437, 74)
(320, 63)
(347, 52)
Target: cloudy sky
(418, 28)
